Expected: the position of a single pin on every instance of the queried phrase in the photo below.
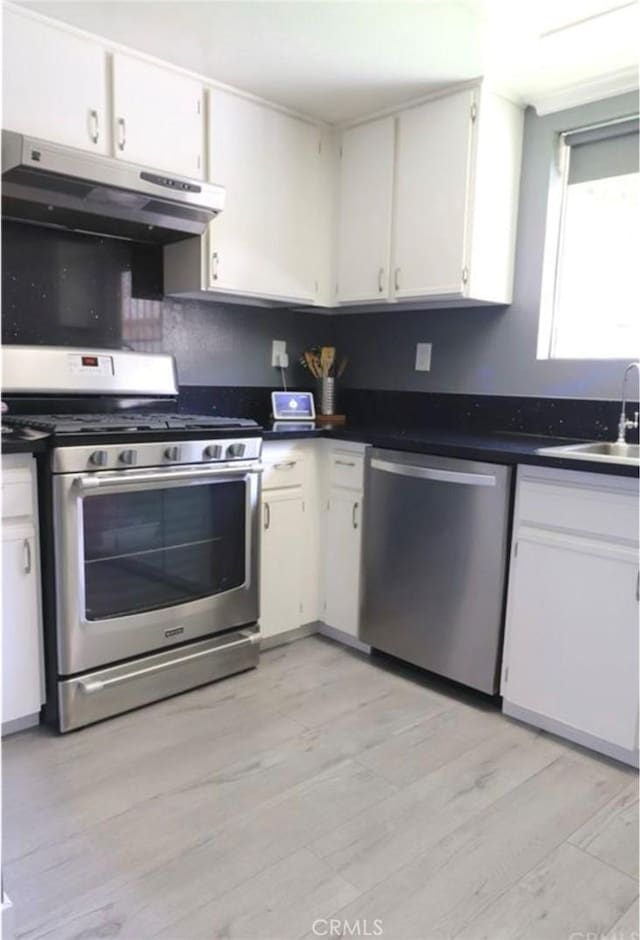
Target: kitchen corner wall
(68, 289)
(64, 288)
(489, 351)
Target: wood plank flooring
(321, 785)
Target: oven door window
(155, 548)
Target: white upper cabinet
(267, 243)
(432, 207)
(457, 180)
(269, 163)
(364, 217)
(54, 84)
(441, 200)
(157, 117)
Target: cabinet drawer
(346, 469)
(285, 471)
(607, 513)
(17, 498)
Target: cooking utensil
(327, 359)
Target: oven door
(148, 559)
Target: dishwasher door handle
(431, 473)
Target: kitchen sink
(609, 451)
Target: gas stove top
(125, 422)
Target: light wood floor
(321, 785)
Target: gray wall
(224, 344)
(481, 350)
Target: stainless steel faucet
(625, 424)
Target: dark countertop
(498, 447)
(24, 441)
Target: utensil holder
(327, 395)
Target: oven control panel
(150, 455)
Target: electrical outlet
(423, 357)
(279, 357)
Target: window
(589, 306)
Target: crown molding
(571, 96)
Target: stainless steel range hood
(52, 185)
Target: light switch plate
(423, 357)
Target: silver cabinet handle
(381, 280)
(26, 548)
(267, 516)
(285, 465)
(344, 463)
(431, 473)
(396, 279)
(214, 266)
(94, 127)
(354, 515)
(122, 134)
(638, 586)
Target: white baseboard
(341, 637)
(574, 735)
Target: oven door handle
(124, 479)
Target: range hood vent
(62, 187)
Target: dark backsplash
(63, 288)
(552, 417)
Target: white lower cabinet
(282, 588)
(312, 500)
(342, 543)
(571, 642)
(342, 561)
(22, 659)
(289, 552)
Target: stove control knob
(212, 452)
(173, 453)
(128, 457)
(236, 450)
(99, 458)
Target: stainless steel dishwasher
(435, 550)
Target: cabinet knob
(396, 279)
(381, 280)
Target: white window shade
(595, 296)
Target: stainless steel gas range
(151, 540)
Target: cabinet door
(264, 243)
(342, 564)
(54, 84)
(157, 117)
(572, 635)
(283, 538)
(20, 630)
(292, 172)
(364, 221)
(433, 163)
